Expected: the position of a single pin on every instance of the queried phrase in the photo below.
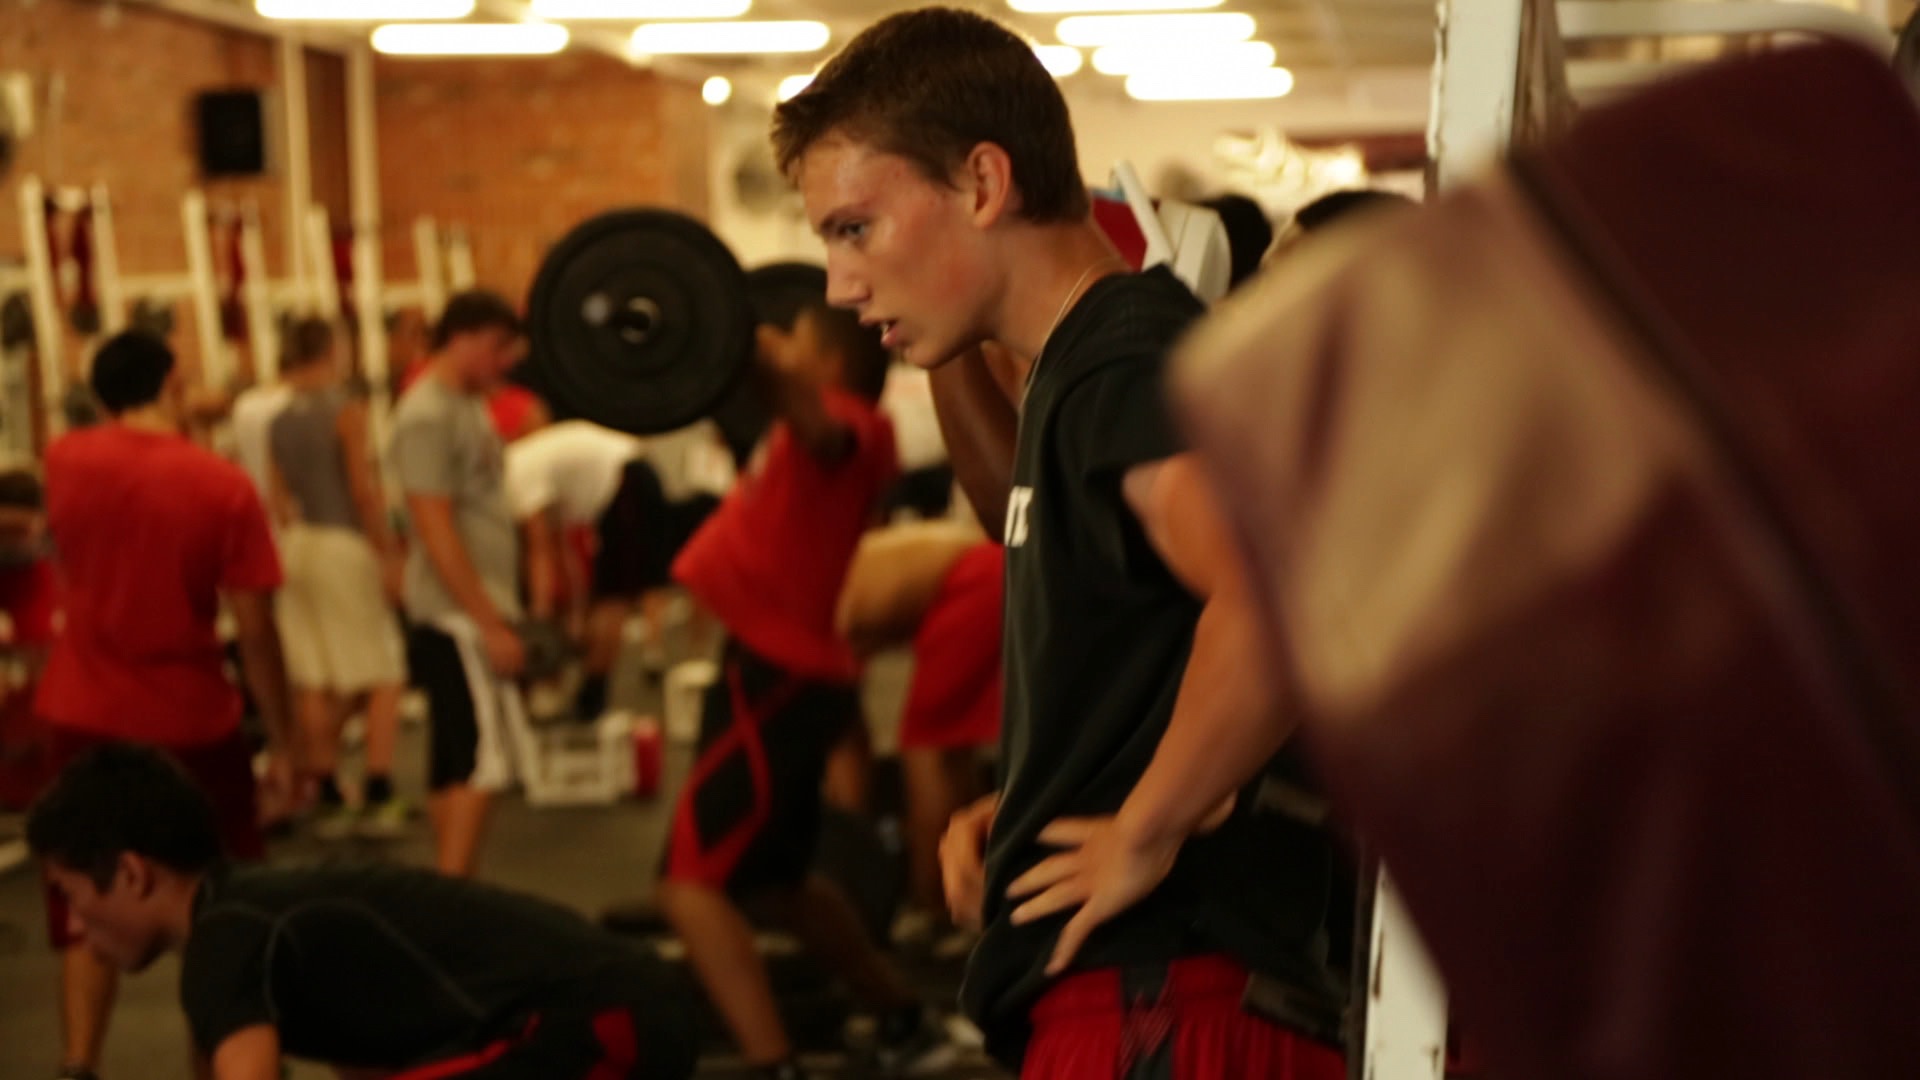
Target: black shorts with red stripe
(748, 818)
(601, 1042)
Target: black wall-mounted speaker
(233, 133)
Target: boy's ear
(987, 178)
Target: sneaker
(928, 1048)
(334, 821)
(386, 820)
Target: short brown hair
(307, 341)
(930, 85)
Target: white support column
(48, 341)
(106, 264)
(323, 297)
(1406, 1033)
(428, 264)
(216, 368)
(363, 164)
(263, 336)
(460, 274)
(1475, 86)
(299, 162)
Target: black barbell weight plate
(640, 320)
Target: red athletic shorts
(224, 770)
(954, 701)
(1188, 1026)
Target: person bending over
(379, 971)
(770, 564)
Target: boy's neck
(1051, 267)
(154, 419)
(178, 893)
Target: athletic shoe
(334, 821)
(927, 1048)
(384, 820)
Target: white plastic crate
(578, 764)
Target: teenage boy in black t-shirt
(374, 970)
(937, 161)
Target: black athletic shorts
(638, 1040)
(468, 708)
(749, 816)
(641, 533)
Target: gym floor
(586, 858)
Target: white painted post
(427, 262)
(363, 164)
(1475, 86)
(460, 273)
(48, 341)
(293, 94)
(106, 264)
(216, 367)
(1406, 1033)
(263, 336)
(324, 300)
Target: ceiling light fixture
(1220, 56)
(362, 10)
(1202, 85)
(716, 90)
(1068, 7)
(633, 10)
(1162, 30)
(1059, 60)
(712, 38)
(469, 39)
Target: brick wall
(519, 151)
(114, 91)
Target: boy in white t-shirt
(603, 513)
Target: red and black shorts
(1183, 1020)
(649, 1040)
(224, 772)
(749, 816)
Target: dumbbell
(643, 321)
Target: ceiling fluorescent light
(1221, 56)
(1068, 7)
(1202, 85)
(1162, 30)
(635, 10)
(362, 10)
(1059, 60)
(792, 85)
(469, 39)
(671, 39)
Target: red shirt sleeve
(249, 563)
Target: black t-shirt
(1097, 636)
(387, 967)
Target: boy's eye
(853, 230)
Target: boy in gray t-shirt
(460, 589)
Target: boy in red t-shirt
(151, 534)
(769, 564)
